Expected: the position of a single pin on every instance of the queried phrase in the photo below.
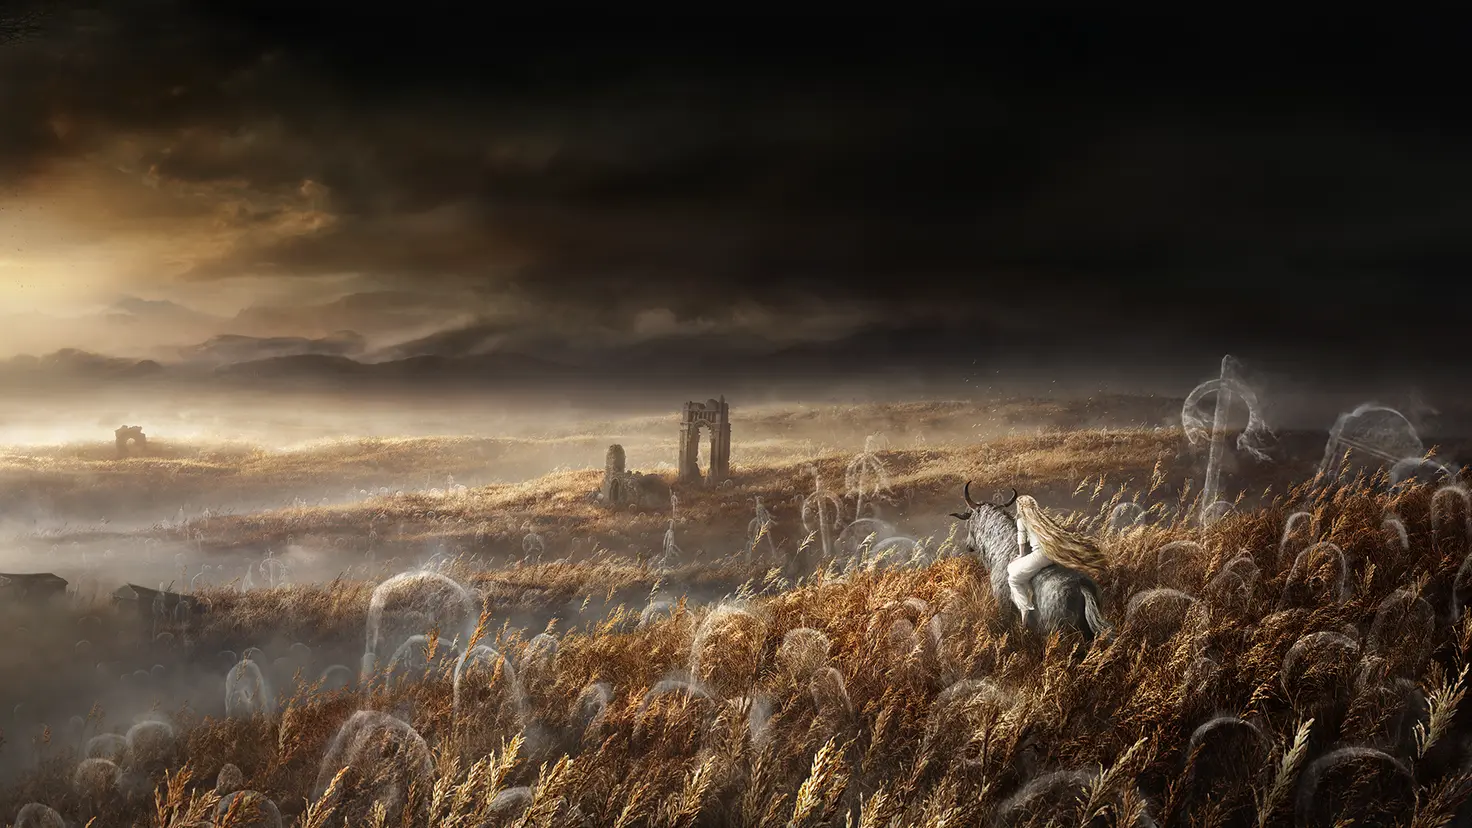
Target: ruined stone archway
(130, 434)
(714, 417)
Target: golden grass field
(1260, 673)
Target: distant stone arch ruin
(134, 434)
(714, 416)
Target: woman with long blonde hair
(1050, 543)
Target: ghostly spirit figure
(246, 691)
(37, 815)
(488, 700)
(866, 477)
(1376, 431)
(390, 765)
(250, 809)
(759, 531)
(414, 603)
(1226, 388)
(672, 551)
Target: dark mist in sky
(1074, 192)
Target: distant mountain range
(327, 370)
(131, 309)
(439, 342)
(457, 359)
(911, 347)
(160, 328)
(370, 312)
(479, 356)
(230, 349)
(72, 363)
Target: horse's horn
(1010, 500)
(966, 493)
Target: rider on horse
(1050, 543)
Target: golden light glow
(86, 231)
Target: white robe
(1021, 571)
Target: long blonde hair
(1062, 546)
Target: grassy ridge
(85, 481)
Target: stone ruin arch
(134, 434)
(714, 416)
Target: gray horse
(1066, 599)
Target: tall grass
(923, 708)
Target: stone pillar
(613, 469)
(690, 455)
(689, 463)
(720, 465)
(720, 443)
(680, 448)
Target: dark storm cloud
(1097, 177)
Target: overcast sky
(1106, 183)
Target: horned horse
(1065, 599)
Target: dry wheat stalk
(320, 811)
(1286, 777)
(1442, 706)
(876, 810)
(687, 804)
(635, 805)
(1440, 804)
(820, 792)
(547, 798)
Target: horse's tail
(1093, 615)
